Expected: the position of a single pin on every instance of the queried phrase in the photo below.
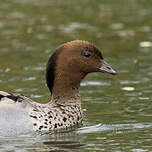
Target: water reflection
(68, 141)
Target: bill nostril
(109, 68)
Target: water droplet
(145, 44)
(117, 26)
(35, 96)
(29, 30)
(7, 70)
(95, 83)
(128, 88)
(30, 78)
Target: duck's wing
(14, 114)
(14, 100)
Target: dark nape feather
(1, 96)
(12, 97)
(50, 70)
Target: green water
(29, 32)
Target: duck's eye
(86, 54)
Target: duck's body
(65, 70)
(22, 112)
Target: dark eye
(86, 54)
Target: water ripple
(95, 83)
(100, 127)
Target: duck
(65, 70)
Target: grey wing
(14, 100)
(14, 117)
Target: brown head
(70, 63)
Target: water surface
(30, 30)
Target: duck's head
(72, 61)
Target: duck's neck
(66, 88)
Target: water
(29, 32)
